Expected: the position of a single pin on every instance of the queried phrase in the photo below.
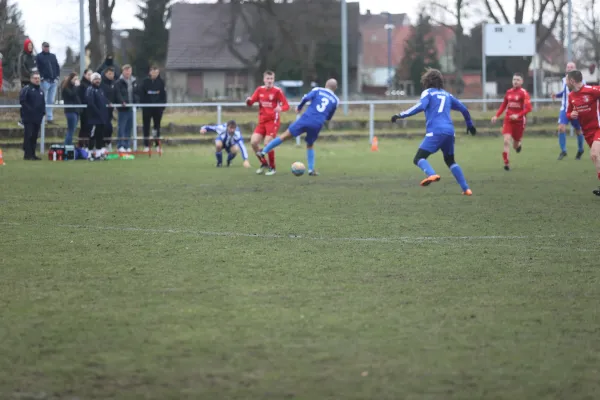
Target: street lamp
(389, 27)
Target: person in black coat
(97, 117)
(70, 96)
(152, 91)
(33, 109)
(108, 87)
(84, 131)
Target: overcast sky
(57, 21)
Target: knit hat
(95, 76)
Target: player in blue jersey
(323, 103)
(437, 104)
(563, 121)
(229, 138)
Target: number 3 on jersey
(442, 102)
(323, 106)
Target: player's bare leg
(218, 153)
(595, 156)
(255, 140)
(507, 141)
(273, 143)
(562, 130)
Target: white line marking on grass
(301, 237)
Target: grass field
(166, 278)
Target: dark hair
(231, 123)
(109, 69)
(153, 67)
(68, 79)
(432, 78)
(576, 75)
(269, 72)
(85, 71)
(520, 75)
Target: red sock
(271, 155)
(598, 175)
(505, 157)
(260, 160)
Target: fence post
(219, 114)
(43, 137)
(371, 122)
(135, 144)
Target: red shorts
(592, 137)
(269, 128)
(514, 129)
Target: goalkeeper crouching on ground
(229, 138)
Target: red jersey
(267, 100)
(586, 101)
(516, 102)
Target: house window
(236, 83)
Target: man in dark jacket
(126, 92)
(109, 62)
(97, 117)
(33, 109)
(152, 91)
(49, 70)
(108, 87)
(84, 131)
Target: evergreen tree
(419, 53)
(12, 35)
(151, 44)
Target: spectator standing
(84, 131)
(33, 109)
(126, 92)
(49, 70)
(109, 62)
(70, 96)
(26, 65)
(152, 92)
(97, 118)
(1, 72)
(108, 87)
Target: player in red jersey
(271, 102)
(517, 105)
(584, 106)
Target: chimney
(368, 12)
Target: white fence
(220, 106)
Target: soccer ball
(298, 168)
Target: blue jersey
(227, 139)
(323, 103)
(564, 95)
(437, 104)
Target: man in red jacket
(517, 105)
(271, 102)
(584, 106)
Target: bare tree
(107, 9)
(588, 33)
(456, 12)
(95, 44)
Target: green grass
(201, 116)
(166, 278)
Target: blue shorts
(309, 127)
(226, 147)
(434, 142)
(563, 120)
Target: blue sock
(459, 176)
(580, 143)
(272, 144)
(562, 141)
(426, 167)
(219, 156)
(310, 156)
(230, 157)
